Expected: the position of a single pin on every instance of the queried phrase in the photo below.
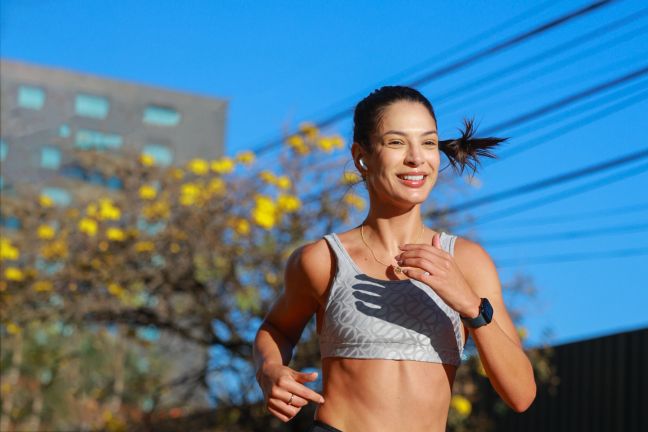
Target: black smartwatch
(484, 317)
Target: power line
(543, 184)
(570, 257)
(459, 64)
(566, 235)
(566, 194)
(542, 56)
(569, 127)
(561, 103)
(489, 92)
(571, 217)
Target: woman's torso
(382, 394)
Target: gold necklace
(397, 269)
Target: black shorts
(320, 426)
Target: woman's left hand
(444, 276)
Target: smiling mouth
(412, 180)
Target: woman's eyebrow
(395, 132)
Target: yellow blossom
(189, 192)
(309, 130)
(245, 157)
(115, 289)
(88, 226)
(325, 144)
(146, 159)
(354, 200)
(288, 203)
(7, 250)
(147, 192)
(216, 186)
(13, 328)
(284, 182)
(350, 178)
(45, 201)
(223, 165)
(175, 247)
(107, 210)
(264, 212)
(198, 166)
(115, 234)
(144, 246)
(461, 405)
(297, 143)
(91, 209)
(14, 274)
(338, 141)
(268, 177)
(242, 226)
(177, 173)
(45, 232)
(157, 209)
(54, 249)
(43, 286)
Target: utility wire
(571, 217)
(543, 184)
(570, 257)
(561, 103)
(566, 235)
(470, 59)
(569, 127)
(543, 56)
(490, 91)
(565, 194)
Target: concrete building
(45, 111)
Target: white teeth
(415, 178)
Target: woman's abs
(385, 395)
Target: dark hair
(461, 152)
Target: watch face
(487, 309)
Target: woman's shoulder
(312, 263)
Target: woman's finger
(281, 416)
(280, 405)
(301, 390)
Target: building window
(87, 105)
(3, 150)
(95, 140)
(64, 131)
(58, 195)
(161, 154)
(50, 157)
(31, 97)
(161, 116)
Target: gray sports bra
(372, 318)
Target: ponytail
(466, 150)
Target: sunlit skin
(378, 394)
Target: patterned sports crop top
(370, 318)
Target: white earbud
(362, 164)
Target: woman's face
(405, 147)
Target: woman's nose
(414, 157)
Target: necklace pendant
(398, 269)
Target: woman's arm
(500, 350)
(282, 328)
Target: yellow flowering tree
(193, 254)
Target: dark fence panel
(603, 388)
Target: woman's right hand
(279, 383)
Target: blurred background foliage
(136, 309)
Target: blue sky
(279, 63)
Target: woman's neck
(390, 229)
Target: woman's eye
(395, 142)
